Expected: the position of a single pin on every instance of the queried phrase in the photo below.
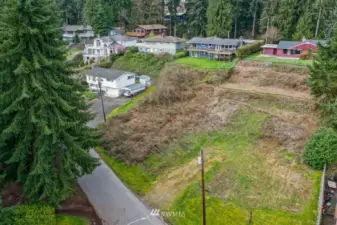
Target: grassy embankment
(71, 220)
(142, 63)
(299, 62)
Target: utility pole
(101, 94)
(203, 187)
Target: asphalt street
(114, 203)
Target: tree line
(224, 18)
(251, 18)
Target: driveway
(113, 201)
(109, 105)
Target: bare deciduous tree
(272, 35)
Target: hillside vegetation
(252, 142)
(142, 63)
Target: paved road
(112, 200)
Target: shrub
(321, 148)
(114, 57)
(105, 64)
(91, 61)
(180, 54)
(304, 55)
(28, 215)
(250, 48)
(132, 49)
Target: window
(297, 52)
(226, 46)
(210, 46)
(285, 51)
(131, 77)
(98, 43)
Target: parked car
(133, 90)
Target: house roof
(214, 40)
(160, 38)
(134, 86)
(269, 46)
(122, 38)
(152, 26)
(105, 73)
(135, 34)
(76, 27)
(291, 44)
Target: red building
(290, 49)
(142, 31)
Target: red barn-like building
(142, 31)
(290, 49)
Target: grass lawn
(300, 62)
(131, 103)
(71, 220)
(252, 178)
(204, 63)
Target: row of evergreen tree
(249, 18)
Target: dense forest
(290, 19)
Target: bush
(132, 49)
(304, 55)
(250, 48)
(321, 148)
(28, 215)
(105, 64)
(180, 54)
(114, 57)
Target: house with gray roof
(213, 47)
(161, 44)
(112, 81)
(291, 49)
(83, 32)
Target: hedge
(28, 215)
(250, 48)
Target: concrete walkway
(114, 203)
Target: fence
(321, 198)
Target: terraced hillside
(253, 129)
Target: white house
(161, 44)
(112, 81)
(83, 32)
(103, 47)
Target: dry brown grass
(285, 78)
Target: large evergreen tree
(196, 17)
(100, 21)
(44, 138)
(323, 73)
(304, 27)
(286, 18)
(219, 18)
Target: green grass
(140, 63)
(245, 181)
(300, 62)
(131, 103)
(89, 95)
(71, 220)
(204, 63)
(134, 176)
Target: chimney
(304, 39)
